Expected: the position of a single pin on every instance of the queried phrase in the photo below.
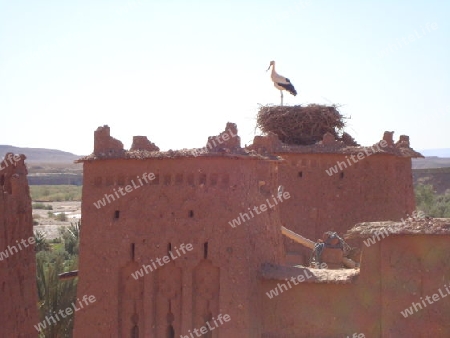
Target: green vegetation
(52, 259)
(41, 206)
(61, 217)
(55, 193)
(71, 237)
(432, 204)
(36, 217)
(41, 243)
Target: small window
(170, 332)
(213, 179)
(169, 248)
(202, 179)
(341, 175)
(225, 180)
(300, 174)
(179, 179)
(135, 332)
(167, 179)
(205, 250)
(191, 179)
(132, 251)
(191, 213)
(109, 181)
(155, 181)
(116, 214)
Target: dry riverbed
(49, 225)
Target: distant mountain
(443, 152)
(40, 154)
(430, 162)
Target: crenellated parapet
(104, 144)
(142, 143)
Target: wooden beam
(310, 244)
(297, 238)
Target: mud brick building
(192, 199)
(378, 186)
(189, 201)
(18, 294)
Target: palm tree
(55, 295)
(41, 243)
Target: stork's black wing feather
(289, 87)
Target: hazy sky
(178, 71)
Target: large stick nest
(303, 125)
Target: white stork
(280, 82)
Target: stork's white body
(280, 82)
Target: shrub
(41, 206)
(71, 236)
(35, 219)
(61, 217)
(432, 204)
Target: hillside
(439, 178)
(430, 162)
(40, 154)
(48, 166)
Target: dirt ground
(49, 225)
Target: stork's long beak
(268, 68)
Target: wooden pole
(310, 244)
(297, 238)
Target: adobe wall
(395, 272)
(18, 298)
(191, 200)
(415, 266)
(377, 188)
(326, 310)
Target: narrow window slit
(205, 250)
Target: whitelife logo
(128, 188)
(11, 158)
(5, 254)
(262, 208)
(296, 280)
(204, 330)
(386, 232)
(210, 145)
(361, 155)
(166, 259)
(50, 320)
(417, 306)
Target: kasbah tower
(142, 204)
